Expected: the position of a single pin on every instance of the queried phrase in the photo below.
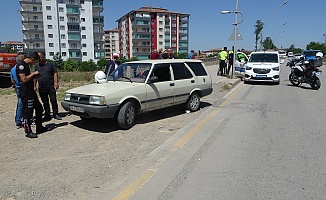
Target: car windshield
(264, 57)
(131, 72)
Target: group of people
(166, 54)
(43, 79)
(226, 60)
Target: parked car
(239, 67)
(290, 54)
(310, 54)
(263, 66)
(297, 56)
(141, 86)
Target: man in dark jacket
(28, 95)
(112, 64)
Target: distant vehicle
(297, 56)
(263, 66)
(310, 54)
(290, 54)
(7, 61)
(282, 53)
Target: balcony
(31, 20)
(29, 30)
(31, 11)
(32, 2)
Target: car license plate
(318, 73)
(77, 109)
(261, 76)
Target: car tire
(193, 102)
(127, 115)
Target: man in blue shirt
(15, 84)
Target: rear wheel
(127, 115)
(315, 83)
(193, 102)
(294, 79)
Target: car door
(160, 94)
(239, 66)
(184, 82)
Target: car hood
(103, 88)
(263, 65)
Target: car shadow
(260, 83)
(301, 86)
(110, 125)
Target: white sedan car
(141, 86)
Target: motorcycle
(304, 71)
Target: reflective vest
(223, 55)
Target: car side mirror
(153, 79)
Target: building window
(50, 35)
(37, 36)
(35, 27)
(82, 19)
(160, 29)
(160, 43)
(49, 26)
(160, 36)
(83, 28)
(63, 36)
(35, 18)
(60, 9)
(84, 45)
(34, 9)
(62, 19)
(82, 2)
(64, 54)
(37, 45)
(49, 17)
(160, 15)
(50, 44)
(62, 27)
(84, 53)
(48, 7)
(63, 45)
(51, 53)
(83, 36)
(160, 22)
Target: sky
(298, 22)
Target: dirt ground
(83, 160)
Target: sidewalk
(212, 69)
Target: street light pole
(261, 39)
(235, 32)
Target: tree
(268, 44)
(294, 50)
(101, 63)
(69, 65)
(57, 61)
(258, 28)
(316, 46)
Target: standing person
(48, 83)
(15, 84)
(155, 55)
(170, 53)
(230, 58)
(191, 55)
(223, 56)
(112, 64)
(28, 95)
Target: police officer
(28, 95)
(230, 58)
(223, 56)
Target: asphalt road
(264, 142)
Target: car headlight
(248, 68)
(98, 100)
(276, 68)
(67, 96)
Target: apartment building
(72, 28)
(111, 43)
(14, 45)
(149, 28)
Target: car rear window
(197, 68)
(264, 57)
(180, 71)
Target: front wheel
(315, 83)
(294, 79)
(193, 102)
(127, 115)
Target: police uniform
(29, 100)
(223, 57)
(230, 58)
